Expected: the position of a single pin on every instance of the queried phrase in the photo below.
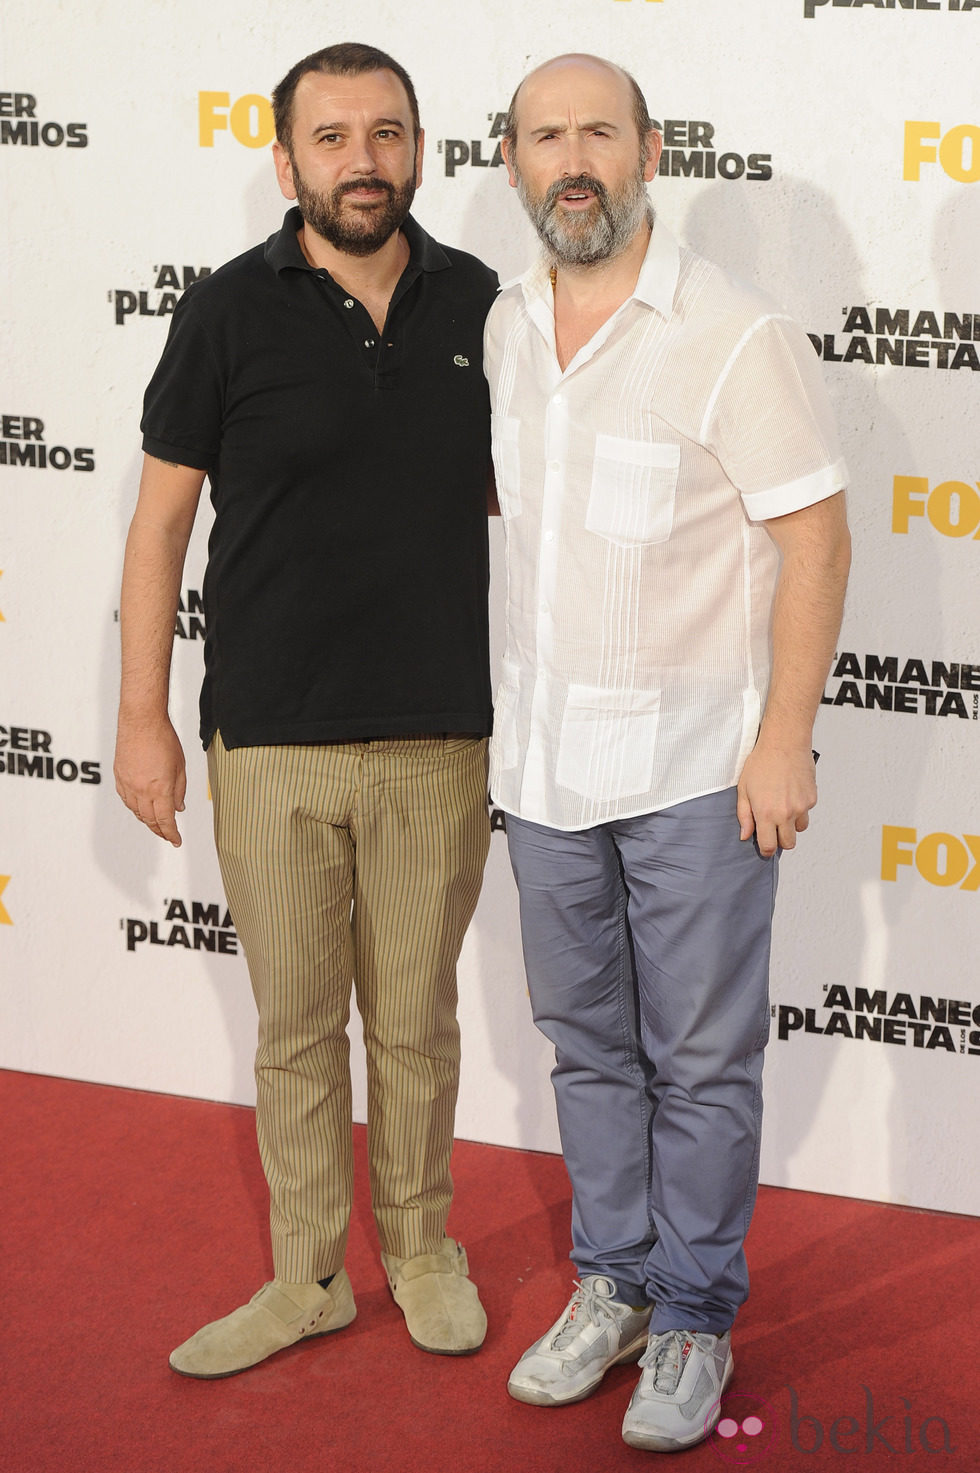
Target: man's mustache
(353, 185)
(569, 186)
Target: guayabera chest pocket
(634, 485)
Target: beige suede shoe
(441, 1306)
(277, 1316)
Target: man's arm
(149, 765)
(778, 787)
(493, 505)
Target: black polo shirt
(346, 590)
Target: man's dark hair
(641, 115)
(347, 59)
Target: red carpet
(129, 1219)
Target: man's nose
(361, 159)
(573, 159)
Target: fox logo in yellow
(957, 151)
(248, 119)
(953, 507)
(942, 859)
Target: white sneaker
(675, 1404)
(595, 1331)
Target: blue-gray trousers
(646, 943)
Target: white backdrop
(836, 161)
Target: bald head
(577, 71)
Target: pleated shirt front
(634, 487)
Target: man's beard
(596, 234)
(356, 230)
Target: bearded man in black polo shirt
(329, 386)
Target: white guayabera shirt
(639, 577)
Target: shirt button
(349, 302)
(558, 399)
(369, 342)
(542, 608)
(549, 536)
(554, 465)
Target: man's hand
(149, 766)
(151, 778)
(776, 791)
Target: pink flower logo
(745, 1430)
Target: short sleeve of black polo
(346, 591)
(183, 400)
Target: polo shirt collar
(655, 285)
(426, 253)
(282, 250)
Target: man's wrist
(791, 744)
(142, 717)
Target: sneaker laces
(585, 1307)
(666, 1356)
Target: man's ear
(506, 151)
(284, 170)
(654, 144)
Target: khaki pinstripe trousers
(357, 863)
